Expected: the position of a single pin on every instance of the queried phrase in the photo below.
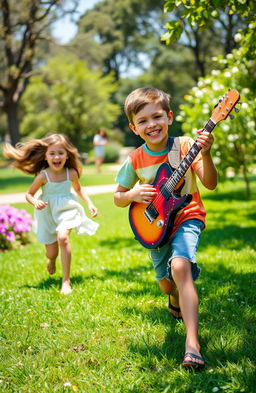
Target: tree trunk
(247, 183)
(11, 110)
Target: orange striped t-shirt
(142, 165)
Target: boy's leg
(169, 287)
(188, 301)
(51, 253)
(65, 251)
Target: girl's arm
(81, 193)
(207, 174)
(37, 183)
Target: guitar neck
(187, 160)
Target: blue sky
(64, 29)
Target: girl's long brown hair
(29, 157)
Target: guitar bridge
(151, 213)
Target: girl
(55, 162)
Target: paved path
(90, 190)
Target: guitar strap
(174, 151)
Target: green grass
(13, 180)
(113, 333)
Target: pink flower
(10, 236)
(13, 222)
(3, 227)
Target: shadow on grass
(121, 242)
(15, 181)
(228, 323)
(231, 237)
(237, 194)
(50, 282)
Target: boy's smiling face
(151, 124)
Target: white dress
(62, 212)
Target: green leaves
(174, 32)
(70, 99)
(235, 145)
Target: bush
(15, 226)
(112, 153)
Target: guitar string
(176, 176)
(190, 156)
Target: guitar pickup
(151, 213)
(166, 193)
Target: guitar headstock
(225, 106)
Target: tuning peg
(237, 110)
(231, 117)
(240, 103)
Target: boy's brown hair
(142, 96)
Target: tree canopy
(23, 25)
(69, 98)
(235, 145)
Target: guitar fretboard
(187, 161)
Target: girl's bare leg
(98, 163)
(65, 251)
(51, 253)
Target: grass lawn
(114, 333)
(13, 180)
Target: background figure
(99, 141)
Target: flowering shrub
(15, 226)
(234, 147)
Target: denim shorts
(183, 243)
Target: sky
(65, 29)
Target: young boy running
(149, 115)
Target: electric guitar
(152, 223)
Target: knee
(52, 254)
(63, 239)
(180, 269)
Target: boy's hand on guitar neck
(144, 193)
(204, 140)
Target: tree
(200, 14)
(206, 27)
(69, 98)
(116, 32)
(235, 144)
(23, 26)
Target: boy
(149, 116)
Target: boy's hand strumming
(144, 193)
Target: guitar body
(155, 233)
